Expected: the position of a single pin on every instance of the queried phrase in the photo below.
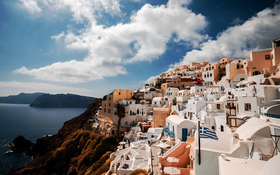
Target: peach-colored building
(261, 61)
(160, 115)
(222, 66)
(184, 151)
(110, 100)
(164, 87)
(210, 73)
(236, 67)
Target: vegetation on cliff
(74, 150)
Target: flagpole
(199, 153)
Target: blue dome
(146, 85)
(152, 89)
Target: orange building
(261, 61)
(160, 115)
(111, 99)
(222, 66)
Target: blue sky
(90, 47)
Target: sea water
(32, 123)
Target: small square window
(247, 106)
(267, 57)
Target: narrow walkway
(155, 151)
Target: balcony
(272, 115)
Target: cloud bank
(239, 40)
(111, 48)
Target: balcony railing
(272, 115)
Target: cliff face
(22, 98)
(73, 150)
(61, 101)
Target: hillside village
(203, 118)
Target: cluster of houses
(203, 118)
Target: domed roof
(146, 84)
(152, 89)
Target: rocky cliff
(61, 101)
(74, 150)
(22, 98)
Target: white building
(180, 127)
(197, 89)
(170, 94)
(159, 101)
(135, 112)
(137, 156)
(193, 107)
(182, 96)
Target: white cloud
(80, 9)
(144, 38)
(75, 71)
(31, 6)
(238, 41)
(58, 37)
(151, 79)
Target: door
(184, 134)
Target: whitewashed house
(159, 101)
(179, 127)
(193, 107)
(135, 112)
(197, 89)
(170, 94)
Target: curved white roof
(272, 166)
(175, 119)
(250, 127)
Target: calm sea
(32, 123)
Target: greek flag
(207, 133)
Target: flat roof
(262, 50)
(233, 166)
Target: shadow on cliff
(74, 150)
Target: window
(190, 114)
(109, 110)
(119, 93)
(210, 74)
(207, 69)
(247, 106)
(212, 67)
(109, 98)
(267, 57)
(204, 75)
(104, 109)
(241, 79)
(218, 106)
(109, 104)
(213, 127)
(222, 128)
